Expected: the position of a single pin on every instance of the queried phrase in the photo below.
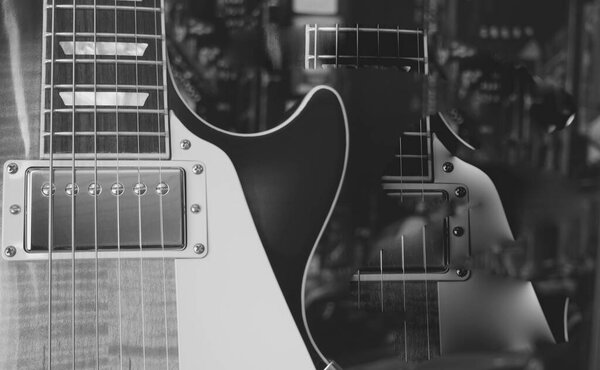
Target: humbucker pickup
(137, 207)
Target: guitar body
(263, 202)
(389, 317)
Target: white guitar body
(231, 312)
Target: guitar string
(73, 190)
(160, 117)
(141, 188)
(96, 194)
(402, 236)
(425, 109)
(119, 188)
(97, 191)
(381, 250)
(50, 184)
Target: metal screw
(447, 167)
(72, 189)
(199, 248)
(458, 231)
(10, 251)
(185, 144)
(140, 189)
(162, 189)
(195, 208)
(197, 169)
(12, 168)
(462, 273)
(94, 189)
(117, 189)
(460, 192)
(15, 209)
(46, 189)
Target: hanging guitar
(413, 296)
(135, 234)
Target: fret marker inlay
(104, 48)
(87, 98)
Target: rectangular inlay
(104, 48)
(89, 98)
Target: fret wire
(107, 110)
(105, 133)
(331, 56)
(104, 86)
(103, 34)
(367, 29)
(105, 61)
(106, 7)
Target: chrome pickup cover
(139, 207)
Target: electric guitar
(135, 234)
(413, 296)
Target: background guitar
(498, 120)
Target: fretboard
(104, 69)
(337, 46)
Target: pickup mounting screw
(197, 169)
(447, 167)
(195, 208)
(199, 249)
(12, 168)
(15, 209)
(461, 273)
(185, 144)
(10, 251)
(458, 231)
(460, 192)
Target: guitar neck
(104, 79)
(356, 47)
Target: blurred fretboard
(337, 46)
